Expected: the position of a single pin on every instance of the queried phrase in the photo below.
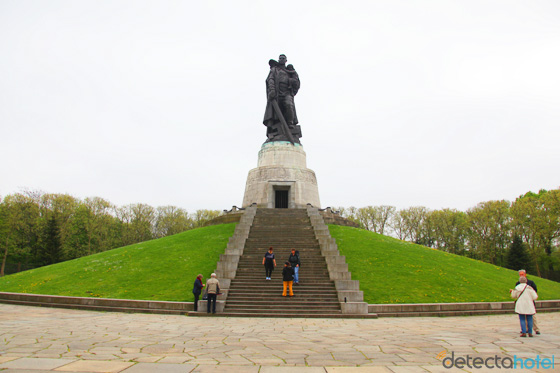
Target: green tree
(8, 223)
(382, 216)
(536, 219)
(415, 225)
(171, 220)
(51, 252)
(375, 218)
(449, 227)
(19, 218)
(489, 231)
(363, 216)
(201, 217)
(517, 255)
(93, 228)
(64, 207)
(143, 218)
(399, 225)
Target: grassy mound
(395, 271)
(163, 269)
(389, 270)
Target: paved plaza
(37, 339)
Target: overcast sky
(442, 104)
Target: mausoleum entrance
(281, 199)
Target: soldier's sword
(284, 126)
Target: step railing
(226, 267)
(350, 296)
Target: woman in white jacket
(525, 305)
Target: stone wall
(331, 217)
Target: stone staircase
(250, 294)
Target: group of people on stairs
(290, 272)
(290, 276)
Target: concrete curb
(97, 304)
(455, 309)
(181, 308)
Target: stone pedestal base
(281, 169)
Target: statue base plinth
(281, 179)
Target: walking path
(46, 339)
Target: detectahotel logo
(494, 362)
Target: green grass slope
(163, 269)
(389, 270)
(395, 271)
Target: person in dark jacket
(269, 263)
(295, 263)
(197, 289)
(288, 278)
(523, 273)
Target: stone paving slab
(4, 359)
(225, 369)
(46, 339)
(95, 366)
(26, 371)
(292, 370)
(358, 370)
(35, 363)
(160, 368)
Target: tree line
(485, 232)
(39, 228)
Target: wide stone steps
(275, 282)
(258, 270)
(308, 278)
(276, 296)
(285, 229)
(258, 267)
(279, 242)
(266, 297)
(310, 258)
(300, 289)
(311, 261)
(277, 275)
(282, 313)
(284, 308)
(308, 274)
(251, 295)
(308, 285)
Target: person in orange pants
(288, 278)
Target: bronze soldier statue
(280, 118)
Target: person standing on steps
(197, 289)
(269, 263)
(288, 278)
(295, 263)
(212, 288)
(523, 273)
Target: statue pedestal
(281, 179)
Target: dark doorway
(281, 199)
